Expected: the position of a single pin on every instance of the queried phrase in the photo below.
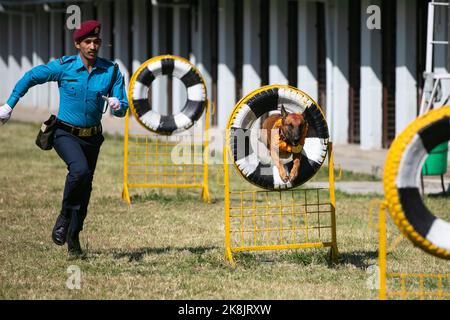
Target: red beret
(87, 29)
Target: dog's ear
(284, 113)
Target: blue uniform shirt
(80, 92)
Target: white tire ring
(262, 101)
(402, 182)
(178, 68)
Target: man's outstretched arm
(37, 75)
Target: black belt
(80, 132)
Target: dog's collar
(283, 145)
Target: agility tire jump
(402, 180)
(244, 149)
(139, 89)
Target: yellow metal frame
(421, 292)
(205, 145)
(392, 196)
(203, 186)
(230, 249)
(392, 204)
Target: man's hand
(114, 103)
(5, 113)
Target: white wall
(226, 79)
(278, 60)
(337, 70)
(371, 83)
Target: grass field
(168, 245)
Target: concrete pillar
(251, 69)
(337, 69)
(307, 48)
(278, 61)
(226, 79)
(405, 83)
(4, 49)
(371, 82)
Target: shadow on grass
(139, 253)
(166, 198)
(302, 258)
(359, 259)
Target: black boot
(73, 245)
(59, 233)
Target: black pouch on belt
(44, 139)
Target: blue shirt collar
(99, 64)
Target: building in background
(368, 82)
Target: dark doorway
(388, 61)
(214, 24)
(292, 42)
(354, 110)
(321, 56)
(421, 45)
(238, 45)
(265, 41)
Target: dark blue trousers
(80, 156)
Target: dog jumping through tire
(284, 135)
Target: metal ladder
(432, 85)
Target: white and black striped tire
(403, 166)
(179, 68)
(248, 160)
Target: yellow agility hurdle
(409, 212)
(149, 158)
(282, 216)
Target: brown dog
(284, 134)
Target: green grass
(168, 244)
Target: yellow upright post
(382, 250)
(334, 248)
(226, 177)
(205, 191)
(125, 192)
